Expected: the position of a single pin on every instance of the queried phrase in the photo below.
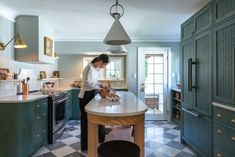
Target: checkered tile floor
(161, 140)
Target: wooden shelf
(175, 105)
(50, 79)
(13, 80)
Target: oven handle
(61, 100)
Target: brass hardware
(142, 87)
(38, 106)
(38, 135)
(44, 114)
(219, 115)
(38, 117)
(219, 155)
(233, 120)
(219, 131)
(233, 138)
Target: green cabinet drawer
(224, 137)
(224, 116)
(219, 153)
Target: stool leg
(92, 139)
(139, 136)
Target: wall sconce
(19, 42)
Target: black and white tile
(162, 139)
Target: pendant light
(117, 49)
(117, 34)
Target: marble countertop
(21, 98)
(128, 105)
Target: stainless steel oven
(56, 116)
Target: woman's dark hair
(103, 57)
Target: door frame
(140, 50)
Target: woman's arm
(90, 78)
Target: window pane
(158, 59)
(158, 68)
(149, 78)
(150, 68)
(158, 78)
(149, 89)
(149, 59)
(158, 88)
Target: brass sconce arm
(19, 43)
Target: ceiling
(89, 20)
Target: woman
(89, 85)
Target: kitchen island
(129, 110)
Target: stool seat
(118, 148)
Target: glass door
(152, 80)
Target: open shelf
(175, 105)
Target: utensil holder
(25, 89)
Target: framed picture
(4, 73)
(42, 74)
(48, 46)
(56, 74)
(4, 70)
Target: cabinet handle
(219, 131)
(219, 155)
(44, 131)
(219, 115)
(44, 103)
(190, 79)
(44, 114)
(233, 138)
(233, 121)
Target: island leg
(139, 136)
(92, 139)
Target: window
(113, 71)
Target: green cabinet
(224, 66)
(196, 132)
(69, 104)
(223, 130)
(23, 128)
(75, 106)
(187, 29)
(223, 9)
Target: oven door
(59, 113)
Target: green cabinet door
(224, 58)
(75, 106)
(187, 53)
(187, 29)
(197, 132)
(223, 9)
(69, 103)
(202, 50)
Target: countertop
(128, 105)
(21, 98)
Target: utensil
(27, 80)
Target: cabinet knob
(38, 106)
(219, 131)
(233, 121)
(38, 117)
(233, 138)
(219, 115)
(44, 114)
(44, 131)
(44, 103)
(219, 155)
(38, 135)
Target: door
(153, 80)
(224, 66)
(202, 47)
(187, 55)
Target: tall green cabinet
(208, 84)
